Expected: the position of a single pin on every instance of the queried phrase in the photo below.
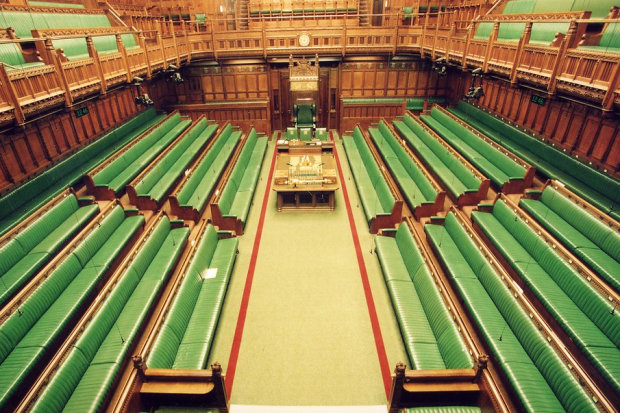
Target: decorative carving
(569, 15)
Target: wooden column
(492, 39)
(525, 39)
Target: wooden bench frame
(511, 186)
(146, 202)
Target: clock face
(304, 39)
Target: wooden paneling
(243, 114)
(584, 131)
(51, 138)
(212, 83)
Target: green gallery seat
(157, 183)
(200, 184)
(27, 251)
(124, 168)
(586, 236)
(582, 311)
(184, 340)
(540, 378)
(85, 377)
(49, 311)
(13, 58)
(236, 198)
(430, 335)
(374, 192)
(414, 185)
(489, 160)
(18, 204)
(596, 187)
(456, 178)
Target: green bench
(110, 180)
(585, 315)
(16, 205)
(27, 342)
(382, 209)
(537, 374)
(443, 409)
(582, 233)
(596, 187)
(32, 245)
(149, 189)
(13, 57)
(189, 202)
(417, 104)
(184, 340)
(430, 335)
(422, 196)
(87, 373)
(230, 211)
(505, 173)
(463, 185)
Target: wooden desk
(306, 181)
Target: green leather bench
(418, 103)
(430, 336)
(586, 236)
(11, 54)
(236, 198)
(596, 187)
(374, 192)
(157, 183)
(414, 185)
(457, 179)
(537, 374)
(24, 253)
(610, 40)
(184, 340)
(54, 4)
(26, 342)
(128, 165)
(85, 377)
(570, 299)
(202, 181)
(39, 190)
(443, 409)
(490, 161)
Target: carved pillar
(398, 381)
(59, 69)
(492, 39)
(10, 88)
(121, 48)
(524, 40)
(92, 51)
(480, 366)
(471, 29)
(614, 83)
(142, 41)
(559, 60)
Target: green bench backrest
(382, 189)
(119, 164)
(593, 228)
(580, 291)
(451, 345)
(11, 54)
(230, 190)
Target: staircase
(363, 13)
(243, 14)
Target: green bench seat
(157, 183)
(586, 236)
(118, 173)
(455, 176)
(418, 103)
(414, 186)
(29, 250)
(238, 192)
(203, 180)
(39, 190)
(185, 338)
(538, 375)
(429, 333)
(490, 161)
(374, 192)
(596, 187)
(49, 310)
(85, 377)
(571, 300)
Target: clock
(304, 39)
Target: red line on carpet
(236, 344)
(372, 311)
